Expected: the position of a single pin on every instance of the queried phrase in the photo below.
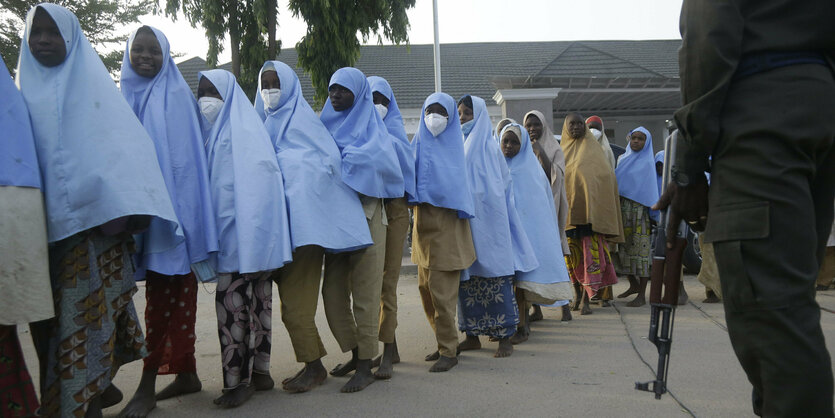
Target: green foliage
(99, 21)
(331, 40)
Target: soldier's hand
(687, 203)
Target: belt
(751, 64)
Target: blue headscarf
(535, 205)
(246, 183)
(394, 125)
(659, 158)
(97, 161)
(18, 161)
(501, 245)
(310, 163)
(636, 174)
(369, 161)
(440, 169)
(166, 107)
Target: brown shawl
(590, 186)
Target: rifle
(666, 276)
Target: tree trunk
(272, 23)
(235, 39)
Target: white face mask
(270, 97)
(596, 133)
(435, 123)
(382, 110)
(210, 107)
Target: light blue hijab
(501, 244)
(535, 205)
(166, 107)
(659, 158)
(309, 160)
(18, 161)
(394, 125)
(636, 174)
(440, 169)
(97, 161)
(246, 183)
(369, 161)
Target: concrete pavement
(585, 367)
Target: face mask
(596, 133)
(270, 97)
(435, 123)
(210, 107)
(382, 110)
(467, 127)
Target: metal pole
(437, 47)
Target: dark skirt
(487, 306)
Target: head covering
(166, 107)
(247, 187)
(369, 161)
(396, 128)
(590, 186)
(97, 161)
(636, 172)
(311, 166)
(659, 158)
(440, 169)
(496, 227)
(18, 161)
(497, 131)
(547, 141)
(603, 140)
(535, 205)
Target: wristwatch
(681, 178)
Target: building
(626, 83)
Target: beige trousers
(298, 290)
(398, 227)
(352, 286)
(439, 294)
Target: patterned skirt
(590, 263)
(17, 395)
(171, 305)
(487, 306)
(633, 256)
(96, 329)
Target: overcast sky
(484, 21)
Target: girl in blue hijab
(248, 197)
(442, 243)
(313, 186)
(164, 103)
(353, 282)
(101, 182)
(486, 289)
(638, 187)
(25, 291)
(397, 215)
(549, 283)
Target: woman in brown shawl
(593, 211)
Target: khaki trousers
(398, 227)
(351, 289)
(298, 290)
(827, 271)
(439, 294)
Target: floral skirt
(633, 256)
(17, 395)
(487, 306)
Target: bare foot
(432, 357)
(344, 368)
(94, 407)
(390, 357)
(143, 401)
(235, 397)
(313, 374)
(605, 304)
(566, 313)
(628, 292)
(261, 381)
(183, 384)
(361, 379)
(682, 294)
(505, 348)
(520, 336)
(470, 343)
(711, 298)
(287, 380)
(536, 315)
(443, 364)
(576, 306)
(586, 310)
(111, 396)
(638, 301)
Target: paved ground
(585, 367)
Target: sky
(461, 21)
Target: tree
(332, 25)
(99, 21)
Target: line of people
(149, 183)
